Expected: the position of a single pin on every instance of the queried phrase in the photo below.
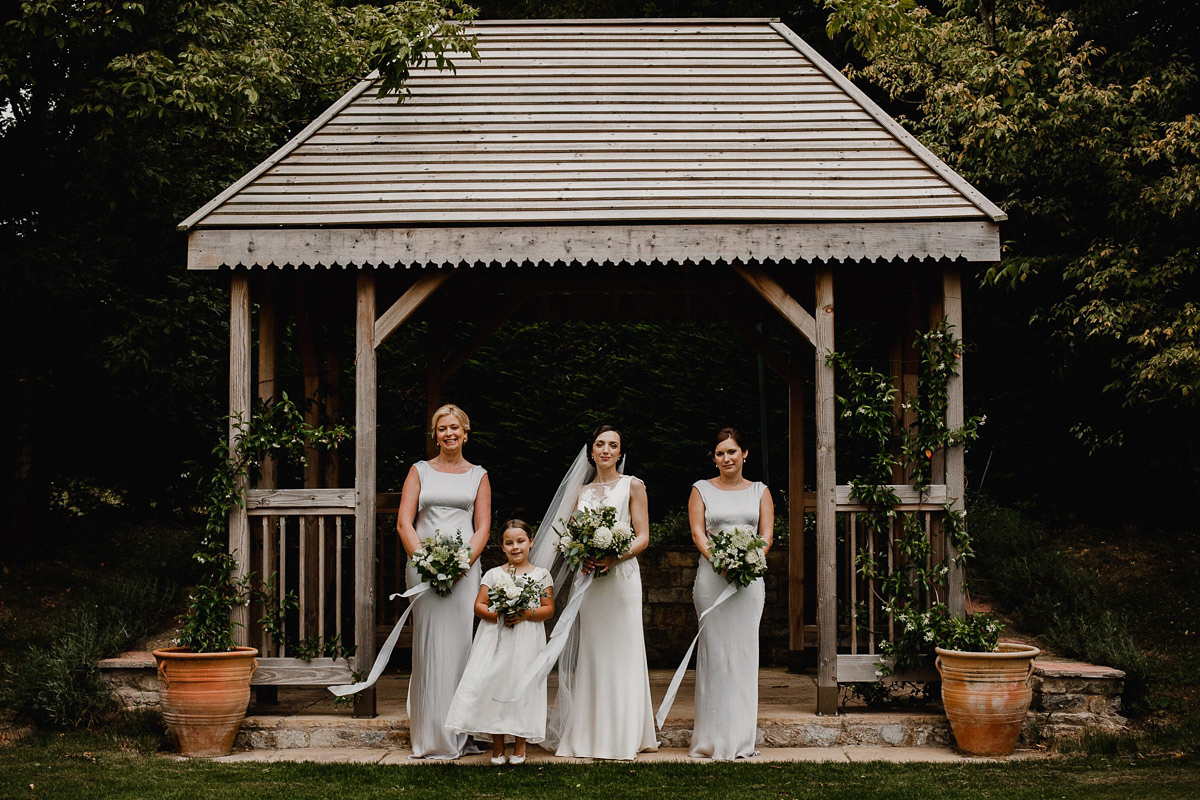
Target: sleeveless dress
(611, 715)
(499, 656)
(441, 625)
(726, 718)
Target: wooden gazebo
(674, 158)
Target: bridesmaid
(726, 723)
(449, 494)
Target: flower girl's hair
(520, 524)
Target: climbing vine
(915, 593)
(275, 430)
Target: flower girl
(514, 600)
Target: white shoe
(516, 760)
(499, 761)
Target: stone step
(1068, 698)
(846, 730)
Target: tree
(116, 120)
(1078, 120)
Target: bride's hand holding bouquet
(592, 540)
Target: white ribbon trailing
(557, 641)
(385, 653)
(673, 689)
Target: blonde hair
(445, 411)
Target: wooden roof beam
(782, 302)
(408, 303)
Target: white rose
(512, 591)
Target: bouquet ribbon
(673, 689)
(557, 641)
(385, 652)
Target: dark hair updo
(729, 433)
(596, 435)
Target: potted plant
(985, 683)
(986, 694)
(205, 677)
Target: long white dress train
(610, 711)
(726, 716)
(442, 626)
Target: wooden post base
(364, 704)
(827, 701)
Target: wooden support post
(827, 689)
(268, 346)
(308, 332)
(239, 410)
(796, 659)
(365, 412)
(955, 416)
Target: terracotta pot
(204, 697)
(986, 696)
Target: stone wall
(669, 618)
(134, 679)
(1070, 698)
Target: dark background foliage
(117, 354)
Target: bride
(603, 707)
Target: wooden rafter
(783, 302)
(409, 302)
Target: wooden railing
(862, 622)
(305, 538)
(302, 543)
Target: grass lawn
(65, 766)
(123, 761)
(1151, 578)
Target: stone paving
(400, 757)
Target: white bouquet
(442, 560)
(514, 594)
(593, 533)
(738, 553)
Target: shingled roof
(565, 135)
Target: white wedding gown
(726, 718)
(610, 712)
